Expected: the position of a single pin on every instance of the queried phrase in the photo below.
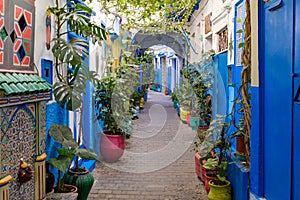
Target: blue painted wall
(54, 114)
(223, 92)
(220, 99)
(276, 85)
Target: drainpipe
(188, 41)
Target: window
(223, 40)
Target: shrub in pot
(113, 96)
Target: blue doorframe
(175, 72)
(276, 98)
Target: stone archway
(173, 40)
(177, 42)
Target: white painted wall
(40, 50)
(222, 16)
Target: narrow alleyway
(158, 162)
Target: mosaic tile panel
(22, 36)
(41, 141)
(18, 141)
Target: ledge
(5, 180)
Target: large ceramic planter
(175, 102)
(194, 122)
(82, 179)
(183, 114)
(142, 103)
(219, 192)
(111, 146)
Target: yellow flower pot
(219, 192)
(183, 114)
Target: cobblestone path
(158, 162)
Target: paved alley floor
(158, 162)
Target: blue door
(278, 85)
(169, 79)
(296, 108)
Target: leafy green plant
(185, 94)
(200, 76)
(72, 75)
(217, 140)
(113, 95)
(69, 149)
(213, 164)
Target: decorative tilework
(17, 136)
(2, 2)
(41, 136)
(3, 32)
(23, 34)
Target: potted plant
(185, 95)
(217, 140)
(72, 75)
(67, 153)
(112, 103)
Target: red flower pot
(209, 177)
(111, 146)
(198, 167)
(188, 119)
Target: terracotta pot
(198, 166)
(240, 145)
(111, 146)
(207, 171)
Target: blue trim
(256, 144)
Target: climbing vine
(150, 15)
(246, 80)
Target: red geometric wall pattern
(3, 32)
(22, 36)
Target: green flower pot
(83, 180)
